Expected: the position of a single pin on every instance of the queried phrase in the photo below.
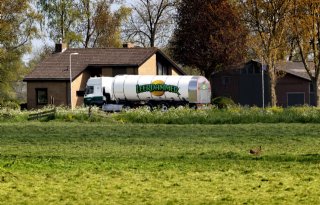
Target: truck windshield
(89, 90)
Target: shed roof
(295, 68)
(56, 66)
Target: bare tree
(151, 22)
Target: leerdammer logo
(157, 88)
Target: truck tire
(126, 107)
(193, 106)
(164, 107)
(149, 106)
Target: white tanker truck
(126, 91)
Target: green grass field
(110, 163)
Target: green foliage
(61, 17)
(17, 23)
(9, 104)
(223, 102)
(95, 163)
(88, 23)
(180, 115)
(12, 115)
(81, 114)
(230, 115)
(106, 26)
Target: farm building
(49, 82)
(244, 85)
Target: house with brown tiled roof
(49, 82)
(245, 85)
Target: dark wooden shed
(244, 85)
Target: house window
(119, 71)
(42, 96)
(162, 69)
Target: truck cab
(98, 91)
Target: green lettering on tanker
(157, 87)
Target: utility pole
(263, 67)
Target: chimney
(128, 45)
(60, 47)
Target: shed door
(295, 99)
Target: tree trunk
(272, 84)
(316, 91)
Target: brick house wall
(174, 72)
(149, 67)
(57, 93)
(79, 84)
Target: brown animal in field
(256, 151)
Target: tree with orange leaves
(305, 27)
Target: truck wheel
(164, 107)
(193, 106)
(126, 107)
(149, 106)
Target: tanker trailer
(115, 93)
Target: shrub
(231, 115)
(9, 104)
(14, 115)
(181, 115)
(223, 102)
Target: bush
(12, 115)
(10, 104)
(223, 102)
(231, 115)
(181, 115)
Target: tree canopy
(98, 26)
(268, 24)
(305, 28)
(85, 23)
(60, 18)
(209, 35)
(17, 28)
